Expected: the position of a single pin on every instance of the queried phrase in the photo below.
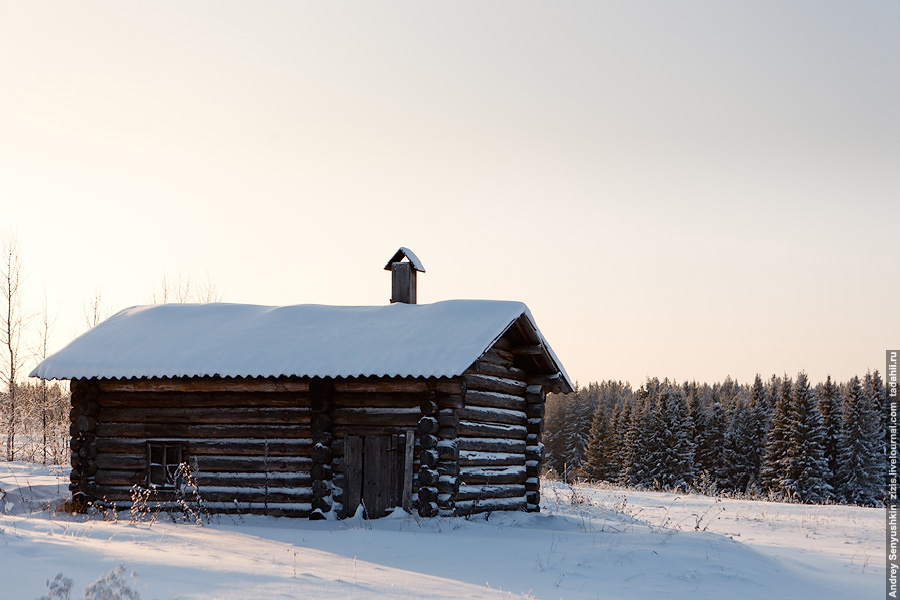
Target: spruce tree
(711, 444)
(877, 393)
(741, 453)
(554, 439)
(599, 460)
(579, 415)
(638, 440)
(760, 408)
(624, 441)
(830, 408)
(775, 462)
(859, 476)
(808, 474)
(673, 454)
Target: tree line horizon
(780, 439)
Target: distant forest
(781, 439)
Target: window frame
(169, 456)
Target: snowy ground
(587, 543)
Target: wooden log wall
(277, 446)
(493, 435)
(249, 444)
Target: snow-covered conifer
(808, 474)
(829, 404)
(859, 476)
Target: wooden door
(374, 468)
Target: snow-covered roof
(240, 340)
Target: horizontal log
(383, 385)
(529, 350)
(471, 507)
(490, 383)
(483, 492)
(473, 429)
(493, 416)
(491, 445)
(369, 400)
(497, 357)
(207, 465)
(122, 461)
(201, 447)
(198, 416)
(187, 430)
(497, 370)
(400, 417)
(398, 428)
(451, 401)
(209, 494)
(272, 509)
(129, 478)
(218, 466)
(549, 383)
(481, 475)
(470, 458)
(204, 399)
(202, 384)
(254, 479)
(495, 400)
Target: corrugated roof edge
(522, 312)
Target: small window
(164, 460)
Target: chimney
(403, 275)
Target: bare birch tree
(12, 324)
(47, 323)
(182, 290)
(94, 310)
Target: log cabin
(309, 410)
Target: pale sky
(689, 189)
